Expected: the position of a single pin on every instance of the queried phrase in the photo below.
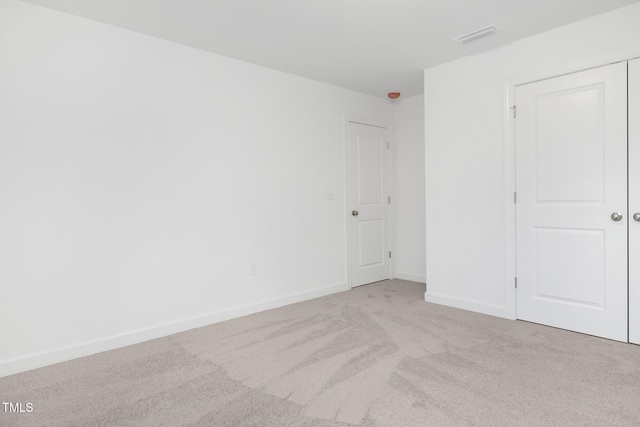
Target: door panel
(571, 175)
(634, 201)
(371, 240)
(568, 124)
(570, 266)
(368, 190)
(369, 168)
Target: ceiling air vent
(478, 34)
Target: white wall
(408, 181)
(468, 165)
(139, 178)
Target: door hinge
(516, 282)
(389, 199)
(389, 254)
(515, 197)
(514, 111)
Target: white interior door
(634, 201)
(571, 176)
(367, 201)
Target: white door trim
(634, 200)
(510, 153)
(368, 121)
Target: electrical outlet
(253, 268)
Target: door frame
(367, 121)
(510, 153)
(633, 127)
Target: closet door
(571, 211)
(634, 201)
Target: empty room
(319, 213)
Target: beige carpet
(374, 356)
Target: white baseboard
(63, 354)
(465, 304)
(420, 278)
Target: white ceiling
(371, 46)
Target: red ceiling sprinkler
(393, 95)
